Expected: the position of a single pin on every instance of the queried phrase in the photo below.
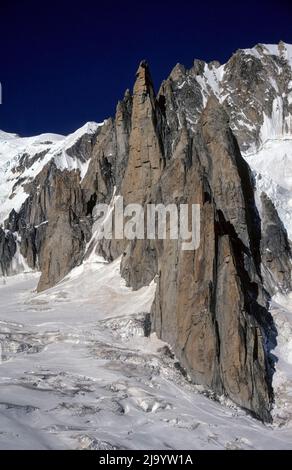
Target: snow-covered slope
(77, 372)
(272, 94)
(22, 158)
(272, 166)
(281, 50)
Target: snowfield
(272, 166)
(77, 372)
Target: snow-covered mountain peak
(255, 88)
(23, 158)
(281, 50)
(4, 136)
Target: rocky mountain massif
(207, 137)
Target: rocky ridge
(184, 145)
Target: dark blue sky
(63, 64)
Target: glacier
(77, 372)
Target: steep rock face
(55, 221)
(123, 124)
(106, 171)
(7, 251)
(176, 148)
(68, 230)
(52, 224)
(275, 249)
(209, 306)
(263, 75)
(145, 166)
(146, 155)
(210, 303)
(254, 87)
(98, 181)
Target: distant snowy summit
(255, 86)
(23, 158)
(255, 89)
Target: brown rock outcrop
(211, 302)
(275, 249)
(146, 157)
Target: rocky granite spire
(183, 146)
(275, 249)
(210, 304)
(146, 155)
